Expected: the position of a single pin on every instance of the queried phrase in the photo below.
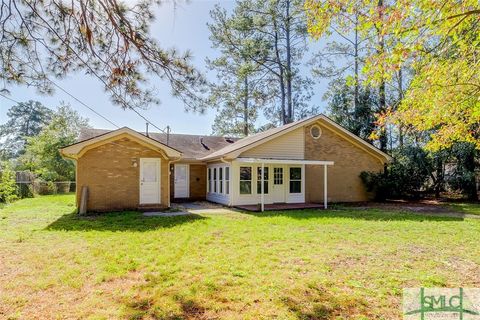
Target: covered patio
(281, 206)
(262, 206)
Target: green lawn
(467, 208)
(336, 264)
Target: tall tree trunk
(382, 107)
(400, 98)
(281, 77)
(472, 192)
(382, 87)
(356, 88)
(27, 127)
(288, 73)
(245, 107)
(439, 175)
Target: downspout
(169, 176)
(76, 184)
(75, 161)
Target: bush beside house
(416, 172)
(8, 185)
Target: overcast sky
(182, 28)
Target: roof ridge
(163, 133)
(189, 144)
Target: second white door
(181, 179)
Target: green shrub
(407, 176)
(45, 187)
(8, 185)
(25, 190)
(463, 177)
(377, 183)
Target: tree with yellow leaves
(440, 40)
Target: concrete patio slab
(203, 207)
(166, 214)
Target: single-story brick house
(309, 161)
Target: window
(215, 180)
(227, 180)
(209, 180)
(259, 180)
(277, 176)
(245, 180)
(295, 180)
(315, 132)
(220, 180)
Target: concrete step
(151, 207)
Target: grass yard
(335, 264)
(467, 208)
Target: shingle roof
(192, 146)
(196, 147)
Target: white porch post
(325, 193)
(262, 188)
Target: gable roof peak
(248, 142)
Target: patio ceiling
(284, 161)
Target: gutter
(67, 156)
(224, 161)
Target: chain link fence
(28, 185)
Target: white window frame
(299, 180)
(216, 185)
(259, 181)
(215, 179)
(240, 180)
(227, 180)
(209, 180)
(221, 178)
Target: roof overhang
(284, 161)
(332, 125)
(77, 150)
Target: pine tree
(26, 119)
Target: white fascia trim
(72, 150)
(283, 161)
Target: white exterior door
(182, 173)
(278, 188)
(149, 180)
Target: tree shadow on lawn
(358, 214)
(119, 221)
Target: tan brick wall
(344, 183)
(198, 181)
(112, 180)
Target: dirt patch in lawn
(428, 207)
(90, 299)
